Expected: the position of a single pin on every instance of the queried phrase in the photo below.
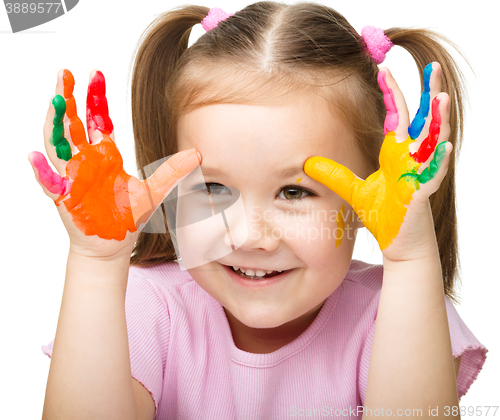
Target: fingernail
(199, 156)
(69, 83)
(318, 166)
(323, 168)
(186, 157)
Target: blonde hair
(267, 53)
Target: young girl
(283, 106)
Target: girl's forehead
(241, 137)
(272, 125)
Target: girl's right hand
(102, 207)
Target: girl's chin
(255, 318)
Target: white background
(103, 35)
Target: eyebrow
(278, 173)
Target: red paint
(96, 190)
(99, 201)
(97, 106)
(429, 144)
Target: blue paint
(417, 125)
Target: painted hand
(412, 163)
(92, 191)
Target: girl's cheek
(309, 230)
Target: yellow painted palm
(381, 201)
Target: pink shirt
(182, 351)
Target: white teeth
(256, 272)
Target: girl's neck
(268, 340)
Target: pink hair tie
(377, 42)
(215, 15)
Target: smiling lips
(255, 273)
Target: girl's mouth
(254, 276)
(253, 281)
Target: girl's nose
(262, 233)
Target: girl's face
(291, 219)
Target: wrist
(100, 254)
(416, 273)
(425, 250)
(416, 239)
(98, 271)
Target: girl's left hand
(393, 202)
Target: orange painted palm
(382, 200)
(100, 197)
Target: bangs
(223, 83)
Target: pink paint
(392, 117)
(47, 177)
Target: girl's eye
(217, 189)
(293, 193)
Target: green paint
(411, 177)
(63, 149)
(433, 168)
(429, 172)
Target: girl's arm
(411, 365)
(89, 374)
(103, 208)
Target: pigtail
(160, 47)
(425, 47)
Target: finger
(432, 87)
(438, 166)
(170, 172)
(53, 184)
(397, 118)
(333, 175)
(148, 194)
(56, 145)
(439, 128)
(99, 124)
(75, 132)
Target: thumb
(166, 177)
(146, 196)
(333, 175)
